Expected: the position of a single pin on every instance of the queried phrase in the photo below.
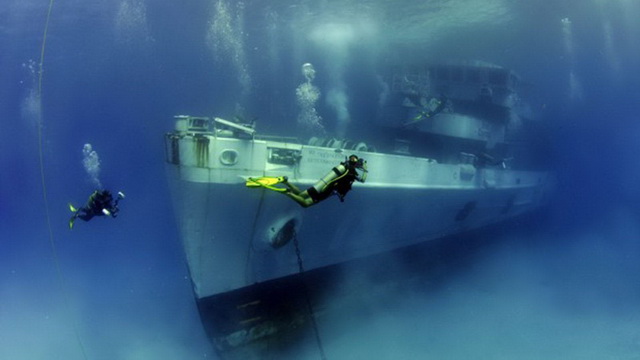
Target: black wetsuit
(98, 201)
(443, 103)
(340, 186)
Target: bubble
(567, 37)
(609, 48)
(30, 105)
(91, 163)
(337, 41)
(338, 99)
(309, 72)
(225, 38)
(575, 87)
(307, 96)
(131, 25)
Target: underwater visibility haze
(85, 105)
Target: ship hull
(228, 230)
(280, 317)
(254, 254)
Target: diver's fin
(71, 221)
(72, 208)
(416, 119)
(267, 182)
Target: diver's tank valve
(335, 173)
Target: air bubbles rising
(91, 163)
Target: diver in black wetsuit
(441, 104)
(337, 182)
(100, 203)
(485, 160)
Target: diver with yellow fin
(100, 203)
(427, 109)
(338, 181)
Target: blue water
(115, 72)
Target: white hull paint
(227, 229)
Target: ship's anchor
(306, 297)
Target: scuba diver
(338, 181)
(485, 160)
(100, 203)
(428, 109)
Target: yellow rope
(43, 179)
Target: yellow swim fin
(264, 181)
(267, 182)
(72, 208)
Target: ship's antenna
(44, 182)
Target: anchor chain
(306, 296)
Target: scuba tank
(331, 176)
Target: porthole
(229, 157)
